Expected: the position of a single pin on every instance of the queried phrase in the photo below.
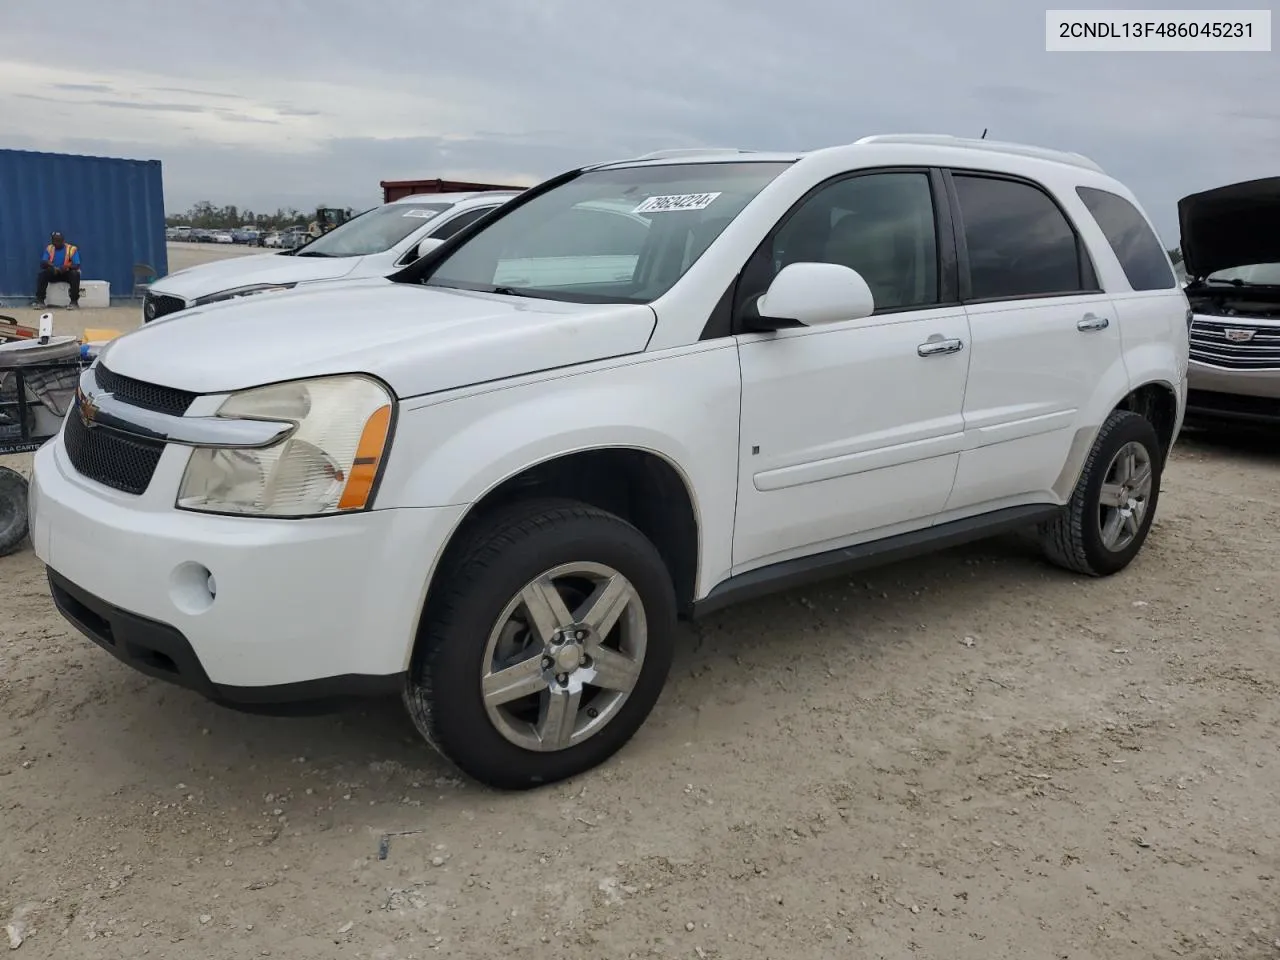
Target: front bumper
(301, 609)
(1207, 406)
(1239, 396)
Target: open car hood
(1231, 226)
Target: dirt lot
(971, 756)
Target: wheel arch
(1155, 399)
(643, 486)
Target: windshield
(617, 236)
(1255, 274)
(374, 231)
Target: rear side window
(1020, 243)
(1132, 240)
(457, 223)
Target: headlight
(238, 292)
(327, 464)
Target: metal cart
(38, 378)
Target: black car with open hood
(1229, 227)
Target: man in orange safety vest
(60, 263)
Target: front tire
(1106, 522)
(13, 510)
(545, 646)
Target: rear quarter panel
(1151, 324)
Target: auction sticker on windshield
(678, 201)
(421, 214)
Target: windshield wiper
(311, 253)
(479, 288)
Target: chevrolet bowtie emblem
(88, 411)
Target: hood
(231, 272)
(417, 339)
(1231, 226)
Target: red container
(398, 189)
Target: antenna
(984, 134)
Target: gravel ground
(969, 756)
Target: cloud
(87, 87)
(148, 105)
(357, 96)
(205, 94)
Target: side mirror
(814, 293)
(418, 251)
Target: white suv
(641, 391)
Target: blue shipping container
(112, 209)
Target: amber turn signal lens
(373, 440)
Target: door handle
(1091, 321)
(937, 347)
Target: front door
(851, 429)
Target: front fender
(681, 405)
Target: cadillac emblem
(1236, 335)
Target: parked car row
(249, 236)
(287, 239)
(194, 235)
(484, 450)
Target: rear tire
(550, 595)
(1104, 525)
(13, 510)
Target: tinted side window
(1135, 244)
(1020, 244)
(457, 223)
(880, 224)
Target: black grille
(140, 394)
(112, 459)
(1219, 344)
(157, 305)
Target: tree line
(205, 216)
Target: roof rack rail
(992, 146)
(689, 152)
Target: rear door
(1043, 333)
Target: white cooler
(93, 293)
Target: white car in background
(376, 243)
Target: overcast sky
(303, 103)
